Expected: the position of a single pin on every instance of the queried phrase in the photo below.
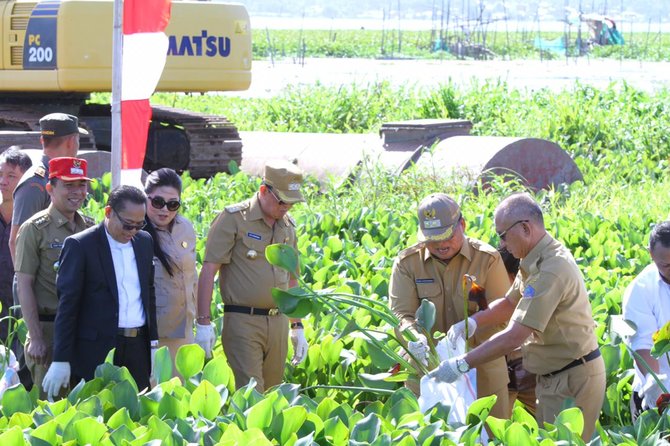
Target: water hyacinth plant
(300, 301)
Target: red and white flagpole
(143, 53)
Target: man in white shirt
(646, 303)
(106, 296)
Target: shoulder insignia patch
(233, 208)
(529, 291)
(42, 221)
(40, 171)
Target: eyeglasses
(503, 234)
(128, 226)
(279, 202)
(159, 202)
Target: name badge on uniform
(56, 245)
(421, 281)
(253, 236)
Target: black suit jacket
(87, 320)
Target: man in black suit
(106, 296)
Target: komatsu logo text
(210, 46)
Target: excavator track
(213, 141)
(20, 125)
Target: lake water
(260, 22)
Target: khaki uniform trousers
(585, 384)
(38, 371)
(256, 347)
(173, 345)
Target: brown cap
(60, 124)
(438, 216)
(285, 179)
(68, 169)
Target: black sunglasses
(129, 227)
(504, 233)
(158, 202)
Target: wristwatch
(462, 365)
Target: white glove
(458, 330)
(205, 337)
(300, 345)
(651, 391)
(57, 376)
(419, 348)
(447, 371)
(152, 377)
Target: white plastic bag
(459, 394)
(10, 375)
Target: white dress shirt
(646, 302)
(131, 310)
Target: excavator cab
(54, 53)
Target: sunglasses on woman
(159, 202)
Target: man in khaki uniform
(434, 269)
(549, 307)
(255, 334)
(39, 243)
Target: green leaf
(336, 430)
(89, 430)
(518, 436)
(497, 426)
(120, 418)
(479, 410)
(189, 360)
(121, 435)
(205, 401)
(293, 302)
(217, 371)
(16, 399)
(162, 365)
(283, 256)
(572, 418)
(172, 408)
(20, 419)
(12, 436)
(125, 395)
(425, 315)
(367, 429)
(289, 421)
(260, 414)
(46, 432)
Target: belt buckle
(273, 311)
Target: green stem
(352, 388)
(383, 347)
(646, 366)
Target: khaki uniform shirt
(176, 294)
(38, 246)
(552, 300)
(417, 275)
(237, 240)
(30, 195)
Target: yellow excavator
(54, 53)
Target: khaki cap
(285, 179)
(438, 216)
